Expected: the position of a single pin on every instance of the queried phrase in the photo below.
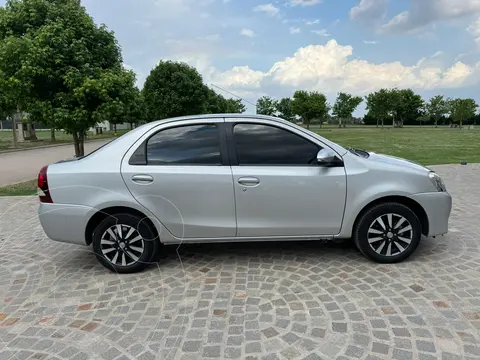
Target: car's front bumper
(65, 223)
(438, 206)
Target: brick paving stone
(234, 301)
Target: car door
(182, 176)
(280, 190)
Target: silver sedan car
(222, 178)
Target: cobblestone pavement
(24, 165)
(249, 301)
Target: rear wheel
(388, 233)
(125, 243)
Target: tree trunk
(339, 122)
(461, 124)
(52, 134)
(131, 126)
(436, 122)
(377, 122)
(14, 127)
(81, 143)
(382, 123)
(115, 129)
(78, 142)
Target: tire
(382, 236)
(131, 252)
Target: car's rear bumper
(65, 223)
(438, 207)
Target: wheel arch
(101, 215)
(410, 203)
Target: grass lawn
(426, 145)
(22, 189)
(6, 138)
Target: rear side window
(258, 144)
(185, 145)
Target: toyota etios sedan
(220, 178)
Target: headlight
(437, 181)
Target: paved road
(301, 301)
(21, 166)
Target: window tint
(194, 144)
(268, 145)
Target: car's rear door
(182, 175)
(280, 190)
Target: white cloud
(238, 77)
(370, 42)
(474, 30)
(328, 68)
(424, 12)
(437, 54)
(294, 30)
(313, 22)
(268, 9)
(369, 10)
(247, 32)
(322, 32)
(304, 2)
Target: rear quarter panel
(95, 181)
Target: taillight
(43, 186)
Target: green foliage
(462, 110)
(217, 104)
(345, 106)
(174, 89)
(266, 106)
(378, 105)
(310, 106)
(65, 68)
(405, 105)
(437, 107)
(285, 109)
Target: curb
(47, 146)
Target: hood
(396, 161)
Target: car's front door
(280, 190)
(181, 175)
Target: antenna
(238, 97)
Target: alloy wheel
(390, 234)
(122, 245)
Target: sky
(255, 47)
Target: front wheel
(388, 233)
(125, 243)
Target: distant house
(107, 126)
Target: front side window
(185, 145)
(258, 144)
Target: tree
(119, 100)
(64, 63)
(136, 113)
(285, 109)
(379, 105)
(310, 106)
(423, 115)
(437, 108)
(462, 110)
(217, 104)
(345, 106)
(266, 106)
(174, 89)
(234, 106)
(405, 105)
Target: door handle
(142, 179)
(249, 181)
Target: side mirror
(327, 157)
